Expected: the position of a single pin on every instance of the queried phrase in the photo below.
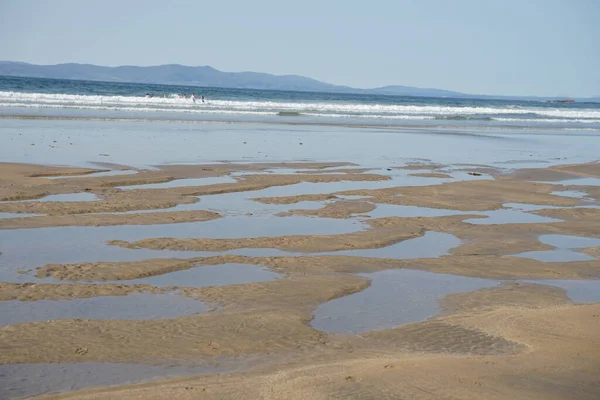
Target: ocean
(58, 98)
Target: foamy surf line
(174, 104)
(395, 127)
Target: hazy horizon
(203, 66)
(539, 48)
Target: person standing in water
(202, 98)
(193, 97)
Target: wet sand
(509, 352)
(513, 340)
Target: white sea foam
(507, 113)
(552, 120)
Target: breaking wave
(323, 108)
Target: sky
(502, 47)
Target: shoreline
(430, 126)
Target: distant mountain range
(175, 74)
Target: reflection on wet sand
(134, 306)
(25, 380)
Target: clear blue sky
(517, 47)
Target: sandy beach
(269, 201)
(334, 276)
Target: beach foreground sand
(518, 337)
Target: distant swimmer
(202, 98)
(165, 95)
(193, 97)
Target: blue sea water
(37, 97)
